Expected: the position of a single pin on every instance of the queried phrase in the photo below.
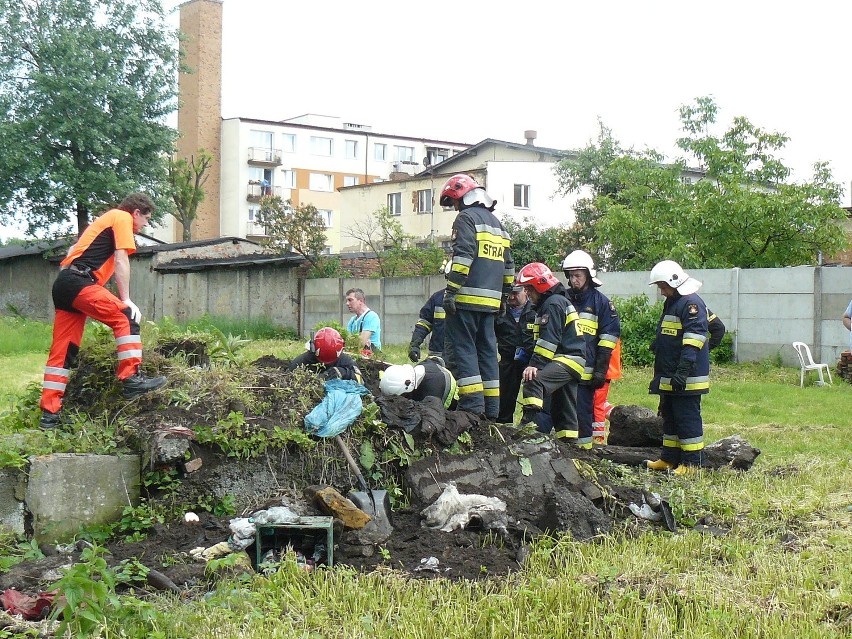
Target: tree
(297, 228)
(85, 87)
(395, 250)
(531, 243)
(742, 210)
(186, 184)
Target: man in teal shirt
(365, 323)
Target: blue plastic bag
(338, 409)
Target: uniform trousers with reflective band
(98, 303)
(559, 384)
(683, 430)
(511, 376)
(602, 406)
(585, 410)
(472, 344)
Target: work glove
(135, 313)
(449, 302)
(414, 353)
(601, 367)
(332, 373)
(682, 371)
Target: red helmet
(456, 187)
(536, 275)
(327, 345)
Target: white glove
(135, 313)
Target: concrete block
(67, 491)
(12, 508)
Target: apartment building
(519, 176)
(306, 160)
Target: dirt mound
(250, 451)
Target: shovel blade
(382, 502)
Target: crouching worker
(429, 378)
(326, 357)
(559, 357)
(102, 251)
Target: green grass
(782, 570)
(18, 335)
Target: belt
(82, 271)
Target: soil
(554, 499)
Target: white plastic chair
(808, 364)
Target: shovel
(375, 503)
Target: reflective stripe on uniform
(59, 386)
(472, 384)
(53, 370)
(425, 324)
(128, 354)
(128, 339)
(700, 382)
(491, 388)
(692, 444)
(694, 339)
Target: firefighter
(324, 354)
(681, 368)
(429, 378)
(515, 344)
(431, 321)
(559, 356)
(478, 286)
(79, 292)
(598, 322)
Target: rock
(635, 426)
(573, 512)
(331, 502)
(731, 451)
(192, 465)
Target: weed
(239, 439)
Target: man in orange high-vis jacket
(102, 251)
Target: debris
(453, 510)
(192, 465)
(190, 518)
(274, 515)
(244, 531)
(213, 552)
(30, 608)
(331, 502)
(428, 564)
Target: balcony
(253, 229)
(256, 191)
(260, 156)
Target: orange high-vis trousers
(98, 303)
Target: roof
(176, 246)
(188, 264)
(36, 247)
(443, 167)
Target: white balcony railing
(261, 154)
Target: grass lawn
(783, 569)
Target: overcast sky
(465, 71)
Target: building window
(325, 216)
(403, 154)
(351, 149)
(395, 203)
(288, 179)
(380, 152)
(261, 139)
(288, 142)
(321, 146)
(351, 180)
(424, 201)
(522, 196)
(254, 212)
(434, 156)
(320, 182)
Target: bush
(638, 327)
(724, 352)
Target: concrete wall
(767, 309)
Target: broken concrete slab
(638, 426)
(66, 491)
(12, 508)
(733, 452)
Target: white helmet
(479, 196)
(581, 259)
(671, 273)
(400, 378)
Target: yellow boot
(659, 464)
(685, 471)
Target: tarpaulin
(338, 410)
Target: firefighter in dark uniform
(429, 378)
(431, 321)
(681, 368)
(559, 357)
(325, 356)
(598, 321)
(478, 286)
(715, 328)
(515, 345)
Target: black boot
(138, 384)
(49, 421)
